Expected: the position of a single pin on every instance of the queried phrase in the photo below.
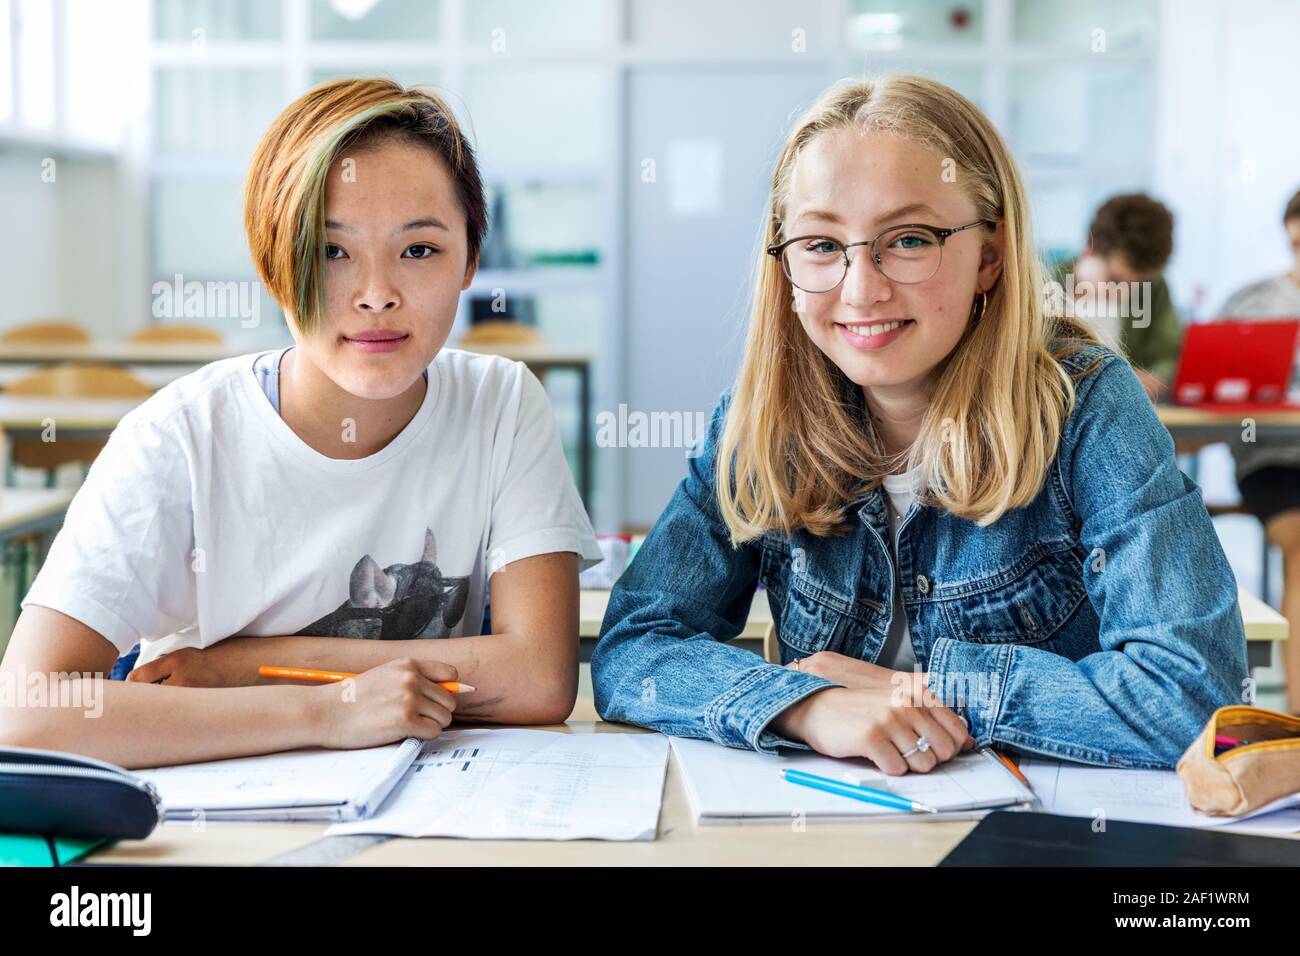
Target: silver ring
(922, 745)
(796, 663)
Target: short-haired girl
(340, 504)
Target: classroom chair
(499, 333)
(50, 332)
(175, 334)
(69, 380)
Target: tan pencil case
(1250, 775)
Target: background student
(1130, 239)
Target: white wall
(61, 254)
(29, 239)
(73, 244)
(1228, 140)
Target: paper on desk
(527, 785)
(728, 785)
(315, 784)
(1141, 796)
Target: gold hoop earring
(984, 302)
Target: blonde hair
(795, 433)
(284, 194)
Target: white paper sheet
(314, 784)
(695, 176)
(727, 785)
(1141, 796)
(527, 785)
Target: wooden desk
(1262, 623)
(87, 416)
(1199, 425)
(23, 509)
(680, 842)
(28, 516)
(25, 417)
(235, 844)
(155, 364)
(119, 353)
(592, 605)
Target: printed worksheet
(1140, 796)
(527, 785)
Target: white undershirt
(897, 652)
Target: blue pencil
(867, 794)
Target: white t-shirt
(1275, 298)
(897, 652)
(207, 517)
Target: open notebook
(726, 785)
(317, 784)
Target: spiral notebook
(726, 785)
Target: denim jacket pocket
(811, 617)
(813, 621)
(1026, 604)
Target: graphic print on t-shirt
(397, 603)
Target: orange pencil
(307, 673)
(1012, 767)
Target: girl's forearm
(148, 725)
(517, 679)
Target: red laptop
(1240, 363)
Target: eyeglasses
(906, 254)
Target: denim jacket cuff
(970, 679)
(740, 716)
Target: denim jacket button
(923, 584)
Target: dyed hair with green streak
(284, 195)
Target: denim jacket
(1098, 624)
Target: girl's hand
(398, 699)
(878, 714)
(189, 667)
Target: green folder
(32, 849)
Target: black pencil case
(67, 795)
